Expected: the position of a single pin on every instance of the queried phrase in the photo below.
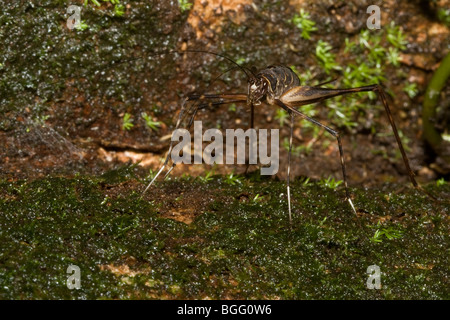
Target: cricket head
(257, 90)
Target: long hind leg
(289, 165)
(304, 95)
(332, 132)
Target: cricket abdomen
(280, 79)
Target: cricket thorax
(257, 90)
(271, 83)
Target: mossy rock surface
(187, 239)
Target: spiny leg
(223, 99)
(304, 95)
(252, 113)
(411, 174)
(334, 133)
(381, 94)
(198, 107)
(180, 117)
(289, 165)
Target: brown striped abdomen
(280, 80)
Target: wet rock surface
(69, 193)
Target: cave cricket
(279, 86)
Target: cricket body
(279, 86)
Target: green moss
(235, 247)
(239, 242)
(94, 59)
